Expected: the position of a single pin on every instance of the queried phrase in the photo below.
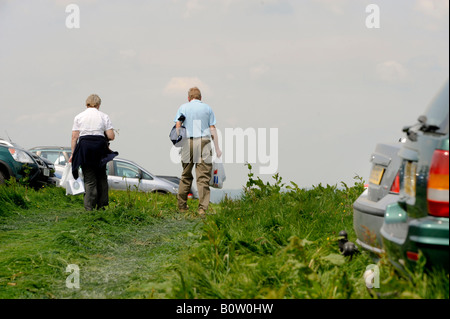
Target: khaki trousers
(195, 152)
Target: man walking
(196, 150)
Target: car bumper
(368, 218)
(402, 235)
(44, 177)
(53, 180)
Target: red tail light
(438, 185)
(395, 188)
(412, 255)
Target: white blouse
(92, 122)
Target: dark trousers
(96, 187)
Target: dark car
(383, 189)
(20, 164)
(419, 221)
(57, 155)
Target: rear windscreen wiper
(424, 127)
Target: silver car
(383, 189)
(124, 174)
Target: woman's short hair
(93, 100)
(194, 93)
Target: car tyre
(2, 178)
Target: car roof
(56, 148)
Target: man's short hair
(194, 93)
(93, 100)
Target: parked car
(121, 172)
(176, 180)
(59, 156)
(383, 189)
(419, 220)
(124, 174)
(16, 161)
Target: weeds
(12, 197)
(277, 241)
(281, 242)
(122, 252)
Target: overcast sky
(310, 68)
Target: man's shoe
(183, 210)
(201, 212)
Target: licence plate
(409, 179)
(46, 172)
(376, 174)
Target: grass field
(274, 242)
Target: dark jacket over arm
(91, 150)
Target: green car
(18, 163)
(419, 220)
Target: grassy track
(123, 252)
(269, 244)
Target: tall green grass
(125, 251)
(281, 242)
(277, 241)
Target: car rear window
(437, 111)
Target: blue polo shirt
(199, 117)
